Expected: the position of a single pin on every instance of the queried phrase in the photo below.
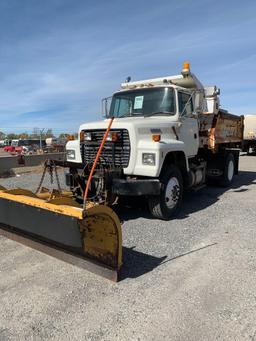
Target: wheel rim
(172, 192)
(230, 170)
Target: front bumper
(130, 187)
(136, 187)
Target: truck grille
(115, 154)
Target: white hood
(140, 131)
(132, 122)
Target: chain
(50, 171)
(42, 178)
(49, 166)
(57, 177)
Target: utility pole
(41, 133)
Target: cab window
(185, 104)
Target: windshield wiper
(130, 114)
(159, 113)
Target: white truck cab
(158, 143)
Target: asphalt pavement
(191, 278)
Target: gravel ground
(29, 178)
(192, 278)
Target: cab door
(188, 131)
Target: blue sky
(58, 58)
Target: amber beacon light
(186, 67)
(156, 138)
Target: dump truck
(168, 134)
(249, 142)
(160, 137)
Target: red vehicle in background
(18, 147)
(9, 149)
(17, 150)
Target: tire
(165, 205)
(228, 172)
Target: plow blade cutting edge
(60, 229)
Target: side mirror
(105, 106)
(198, 102)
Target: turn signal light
(156, 138)
(81, 136)
(71, 137)
(114, 137)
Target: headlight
(87, 136)
(149, 159)
(112, 136)
(71, 154)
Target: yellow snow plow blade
(59, 227)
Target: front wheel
(165, 205)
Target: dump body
(220, 129)
(250, 127)
(249, 142)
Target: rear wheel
(229, 171)
(165, 205)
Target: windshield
(144, 102)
